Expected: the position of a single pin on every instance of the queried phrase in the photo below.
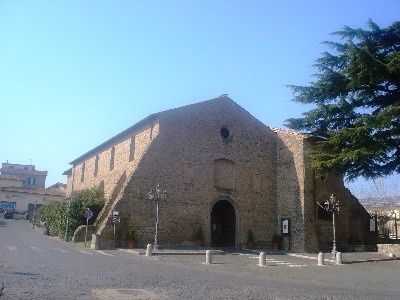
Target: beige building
(225, 172)
(31, 178)
(22, 188)
(387, 212)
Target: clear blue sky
(75, 73)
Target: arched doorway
(223, 223)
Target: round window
(224, 132)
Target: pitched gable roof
(148, 120)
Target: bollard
(94, 245)
(149, 250)
(262, 260)
(339, 258)
(320, 259)
(208, 257)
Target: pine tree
(357, 104)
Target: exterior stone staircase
(105, 214)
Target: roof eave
(115, 138)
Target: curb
(309, 257)
(168, 252)
(344, 261)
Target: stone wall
(299, 190)
(290, 186)
(182, 159)
(389, 248)
(79, 234)
(295, 190)
(126, 159)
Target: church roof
(149, 119)
(288, 131)
(297, 133)
(117, 137)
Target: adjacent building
(225, 172)
(387, 213)
(22, 188)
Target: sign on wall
(372, 224)
(285, 226)
(6, 205)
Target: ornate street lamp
(333, 205)
(157, 195)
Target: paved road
(33, 266)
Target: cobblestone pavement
(33, 266)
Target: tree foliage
(356, 102)
(87, 198)
(54, 214)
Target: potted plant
(276, 242)
(198, 236)
(250, 239)
(131, 237)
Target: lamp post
(332, 205)
(33, 216)
(395, 224)
(157, 195)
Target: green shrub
(130, 233)
(54, 214)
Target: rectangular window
(83, 172)
(112, 158)
(96, 166)
(151, 131)
(132, 149)
(31, 181)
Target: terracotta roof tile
(40, 191)
(10, 177)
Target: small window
(96, 165)
(224, 133)
(132, 149)
(83, 172)
(151, 131)
(112, 158)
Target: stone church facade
(225, 172)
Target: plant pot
(131, 244)
(199, 243)
(250, 245)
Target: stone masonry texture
(207, 152)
